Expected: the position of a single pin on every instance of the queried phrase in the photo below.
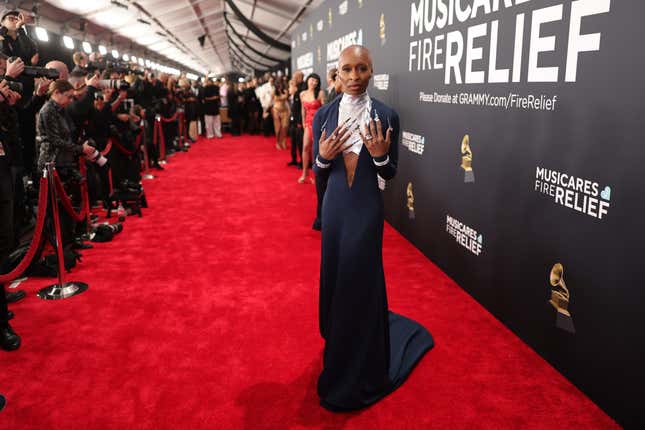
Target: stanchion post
(85, 196)
(61, 290)
(160, 139)
(146, 157)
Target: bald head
(63, 71)
(355, 69)
(354, 53)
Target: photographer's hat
(9, 11)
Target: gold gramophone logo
(467, 160)
(560, 299)
(319, 54)
(381, 29)
(360, 4)
(329, 17)
(311, 31)
(410, 205)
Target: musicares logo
(581, 195)
(382, 82)
(464, 235)
(414, 142)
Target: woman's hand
(330, 147)
(87, 149)
(376, 144)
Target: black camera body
(16, 87)
(41, 72)
(37, 72)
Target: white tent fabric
(172, 28)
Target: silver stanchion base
(57, 292)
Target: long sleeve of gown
(386, 165)
(321, 166)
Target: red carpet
(203, 315)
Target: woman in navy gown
(369, 351)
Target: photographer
(16, 43)
(80, 63)
(9, 340)
(124, 130)
(55, 136)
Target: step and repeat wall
(520, 163)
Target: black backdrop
(533, 163)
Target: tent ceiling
(172, 27)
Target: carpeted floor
(203, 315)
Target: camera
(117, 84)
(96, 157)
(37, 72)
(16, 87)
(41, 72)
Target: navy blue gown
(369, 351)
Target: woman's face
(312, 83)
(63, 99)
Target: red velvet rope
(35, 240)
(67, 203)
(107, 147)
(171, 119)
(122, 148)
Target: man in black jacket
(9, 340)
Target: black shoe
(14, 296)
(157, 166)
(10, 315)
(79, 244)
(317, 226)
(3, 402)
(9, 340)
(292, 163)
(299, 166)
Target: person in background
(223, 92)
(235, 109)
(281, 115)
(332, 85)
(191, 108)
(253, 107)
(312, 99)
(265, 95)
(296, 85)
(9, 340)
(80, 63)
(211, 110)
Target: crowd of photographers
(112, 115)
